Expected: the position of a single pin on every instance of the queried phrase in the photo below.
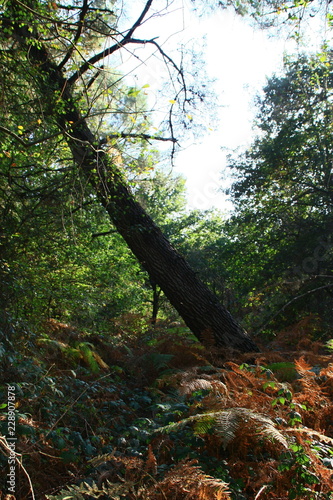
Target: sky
(239, 58)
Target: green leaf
(69, 456)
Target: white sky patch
(239, 57)
(203, 165)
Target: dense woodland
(149, 351)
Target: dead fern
(303, 368)
(206, 382)
(151, 463)
(195, 385)
(313, 394)
(127, 469)
(84, 491)
(310, 432)
(187, 481)
(184, 481)
(225, 424)
(229, 421)
(190, 381)
(236, 378)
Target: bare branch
(140, 19)
(110, 50)
(4, 444)
(104, 233)
(93, 60)
(171, 128)
(146, 137)
(93, 79)
(84, 10)
(168, 58)
(91, 9)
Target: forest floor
(153, 414)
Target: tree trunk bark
(196, 304)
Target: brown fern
(310, 432)
(189, 381)
(244, 378)
(303, 368)
(188, 481)
(151, 462)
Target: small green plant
(297, 461)
(284, 396)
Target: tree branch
(91, 9)
(104, 233)
(22, 141)
(12, 134)
(110, 50)
(140, 19)
(146, 137)
(98, 57)
(84, 10)
(168, 58)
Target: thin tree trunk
(156, 300)
(196, 304)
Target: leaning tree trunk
(196, 304)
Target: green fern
(225, 424)
(284, 371)
(204, 425)
(329, 344)
(85, 349)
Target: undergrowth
(152, 414)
